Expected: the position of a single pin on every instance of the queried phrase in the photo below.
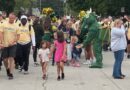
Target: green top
(47, 37)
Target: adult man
(24, 43)
(9, 37)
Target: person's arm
(1, 37)
(104, 26)
(49, 54)
(128, 34)
(64, 52)
(52, 49)
(39, 54)
(126, 17)
(33, 38)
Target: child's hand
(41, 62)
(63, 58)
(40, 57)
(49, 56)
(79, 46)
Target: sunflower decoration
(82, 13)
(47, 11)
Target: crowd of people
(59, 40)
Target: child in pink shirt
(60, 54)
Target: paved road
(82, 78)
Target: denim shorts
(75, 56)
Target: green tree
(97, 5)
(24, 3)
(110, 7)
(7, 5)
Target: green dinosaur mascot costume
(93, 37)
(83, 26)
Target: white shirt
(44, 54)
(118, 39)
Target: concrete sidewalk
(82, 78)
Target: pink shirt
(59, 50)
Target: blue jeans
(75, 56)
(119, 55)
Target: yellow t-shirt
(0, 33)
(30, 22)
(25, 34)
(10, 32)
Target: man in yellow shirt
(27, 36)
(9, 36)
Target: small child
(75, 52)
(60, 54)
(44, 55)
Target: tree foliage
(111, 7)
(7, 5)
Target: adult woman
(48, 33)
(118, 46)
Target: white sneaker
(36, 64)
(26, 72)
(88, 62)
(85, 63)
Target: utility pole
(40, 6)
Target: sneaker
(20, 69)
(128, 56)
(121, 77)
(26, 72)
(88, 62)
(58, 78)
(62, 75)
(77, 65)
(10, 76)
